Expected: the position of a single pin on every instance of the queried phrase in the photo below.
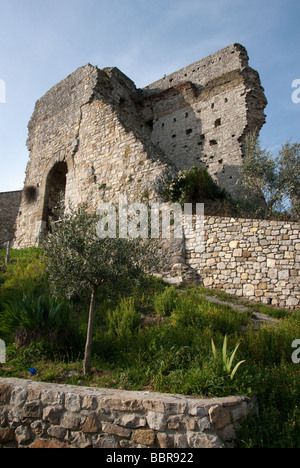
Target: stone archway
(55, 190)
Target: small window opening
(218, 123)
(149, 125)
(213, 142)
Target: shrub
(165, 302)
(193, 185)
(37, 318)
(124, 320)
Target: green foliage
(279, 396)
(272, 343)
(78, 261)
(124, 320)
(164, 303)
(173, 354)
(42, 313)
(227, 359)
(193, 185)
(273, 180)
(25, 273)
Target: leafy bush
(193, 185)
(165, 302)
(124, 320)
(42, 313)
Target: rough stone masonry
(94, 135)
(42, 415)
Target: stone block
(248, 290)
(219, 416)
(144, 437)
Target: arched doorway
(55, 190)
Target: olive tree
(78, 261)
(272, 181)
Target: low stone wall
(41, 415)
(255, 259)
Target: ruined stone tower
(95, 135)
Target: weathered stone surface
(144, 437)
(219, 416)
(203, 441)
(52, 414)
(258, 263)
(6, 434)
(48, 444)
(9, 209)
(22, 435)
(132, 421)
(181, 422)
(114, 429)
(92, 425)
(5, 392)
(71, 422)
(157, 421)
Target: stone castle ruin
(95, 136)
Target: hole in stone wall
(218, 123)
(149, 124)
(55, 190)
(30, 193)
(189, 131)
(213, 142)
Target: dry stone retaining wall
(255, 259)
(41, 415)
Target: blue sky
(42, 41)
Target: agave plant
(226, 358)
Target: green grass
(160, 339)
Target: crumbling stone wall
(9, 211)
(41, 415)
(202, 113)
(100, 136)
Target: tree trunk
(89, 338)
